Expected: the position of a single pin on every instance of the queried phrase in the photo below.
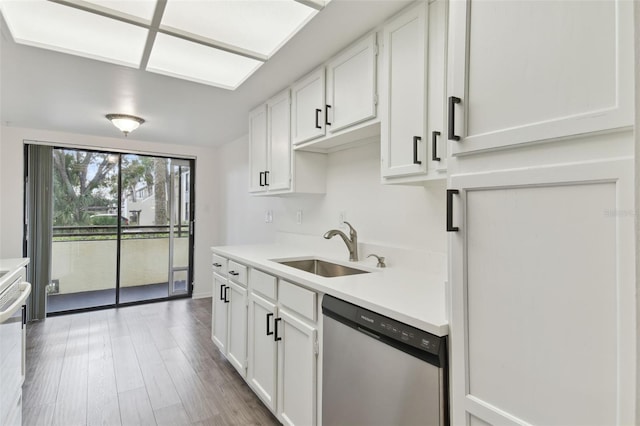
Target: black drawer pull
(234, 273)
(450, 194)
(217, 265)
(452, 118)
(261, 178)
(318, 111)
(326, 115)
(434, 146)
(416, 139)
(266, 178)
(226, 294)
(222, 286)
(276, 337)
(269, 332)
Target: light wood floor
(151, 364)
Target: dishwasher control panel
(405, 337)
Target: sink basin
(322, 268)
(3, 273)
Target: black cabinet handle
(24, 315)
(450, 194)
(269, 315)
(318, 126)
(234, 273)
(226, 294)
(326, 115)
(222, 286)
(261, 178)
(434, 146)
(217, 265)
(275, 323)
(416, 139)
(266, 178)
(452, 118)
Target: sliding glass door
(121, 229)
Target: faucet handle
(381, 263)
(352, 230)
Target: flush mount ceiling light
(125, 123)
(219, 43)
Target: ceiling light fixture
(125, 123)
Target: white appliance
(13, 296)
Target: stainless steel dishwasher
(378, 371)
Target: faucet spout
(351, 241)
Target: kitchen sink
(322, 267)
(3, 273)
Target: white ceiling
(55, 91)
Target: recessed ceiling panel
(138, 8)
(52, 26)
(176, 57)
(261, 26)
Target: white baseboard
(201, 295)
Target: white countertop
(413, 296)
(10, 266)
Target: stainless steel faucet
(352, 243)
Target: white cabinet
(337, 99)
(413, 94)
(308, 107)
(263, 348)
(543, 291)
(524, 72)
(297, 370)
(273, 167)
(270, 145)
(229, 317)
(283, 348)
(351, 85)
(237, 331)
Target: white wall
(410, 217)
(11, 189)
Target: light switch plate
(299, 217)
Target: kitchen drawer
(237, 273)
(298, 299)
(264, 284)
(219, 265)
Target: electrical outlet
(341, 218)
(268, 216)
(299, 217)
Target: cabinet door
(237, 349)
(308, 107)
(351, 85)
(279, 127)
(543, 314)
(404, 93)
(257, 149)
(437, 88)
(529, 71)
(297, 371)
(220, 313)
(261, 372)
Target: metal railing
(108, 232)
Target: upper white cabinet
(524, 71)
(413, 97)
(351, 85)
(336, 103)
(308, 107)
(273, 167)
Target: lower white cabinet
(297, 370)
(282, 346)
(229, 319)
(263, 350)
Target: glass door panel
(144, 243)
(85, 230)
(180, 227)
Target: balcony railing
(108, 232)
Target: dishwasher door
(366, 381)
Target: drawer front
(298, 299)
(219, 265)
(264, 284)
(237, 272)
